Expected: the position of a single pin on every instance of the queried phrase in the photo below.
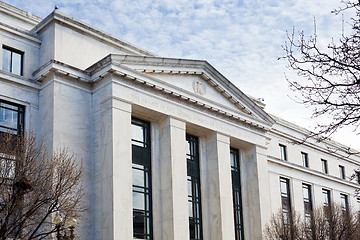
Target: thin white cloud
(241, 38)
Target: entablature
(109, 67)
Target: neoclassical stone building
(172, 149)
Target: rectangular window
(324, 166)
(342, 172)
(307, 203)
(11, 117)
(326, 197)
(344, 202)
(357, 173)
(12, 60)
(285, 199)
(283, 155)
(305, 159)
(141, 179)
(194, 191)
(237, 200)
(358, 204)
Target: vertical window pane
(236, 185)
(138, 200)
(326, 197)
(308, 207)
(305, 159)
(16, 63)
(283, 152)
(194, 196)
(138, 177)
(285, 199)
(284, 187)
(306, 192)
(342, 172)
(324, 166)
(137, 135)
(141, 180)
(6, 60)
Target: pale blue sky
(242, 39)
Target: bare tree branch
(34, 186)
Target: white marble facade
(81, 87)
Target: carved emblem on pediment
(199, 87)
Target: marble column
(219, 188)
(113, 176)
(255, 191)
(174, 222)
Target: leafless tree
(330, 222)
(330, 76)
(34, 186)
(284, 227)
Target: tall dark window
(194, 196)
(141, 179)
(12, 60)
(236, 186)
(283, 154)
(357, 173)
(326, 197)
(342, 172)
(344, 202)
(358, 204)
(324, 166)
(308, 207)
(305, 159)
(11, 117)
(11, 121)
(285, 199)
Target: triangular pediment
(195, 81)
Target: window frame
(12, 51)
(308, 202)
(305, 159)
(326, 192)
(345, 204)
(20, 110)
(236, 190)
(141, 162)
(283, 152)
(342, 172)
(357, 176)
(286, 204)
(194, 187)
(324, 166)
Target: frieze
(190, 104)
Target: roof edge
(304, 131)
(19, 13)
(89, 30)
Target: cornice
(21, 33)
(340, 151)
(311, 172)
(62, 68)
(19, 80)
